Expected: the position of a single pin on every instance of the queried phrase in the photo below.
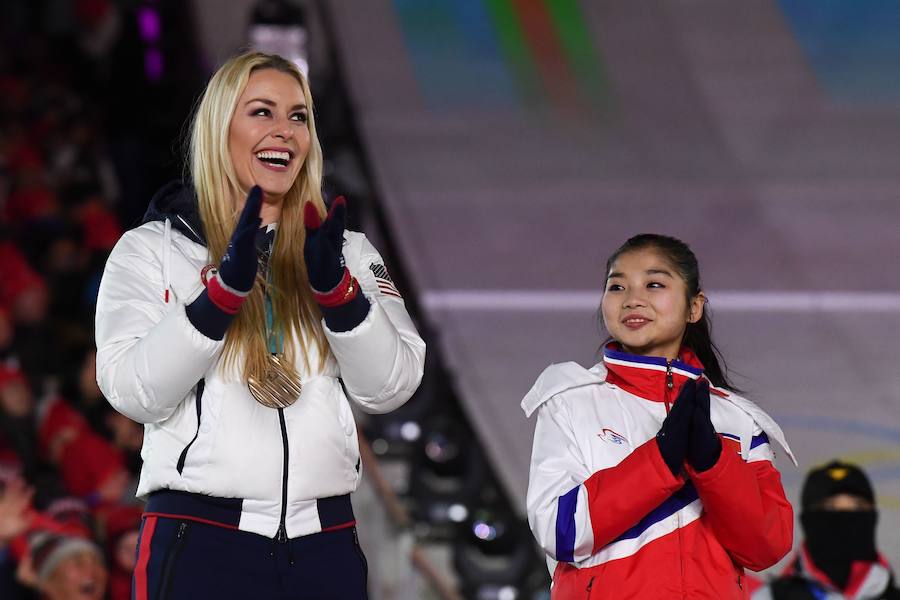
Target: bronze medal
(279, 389)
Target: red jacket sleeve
(619, 497)
(747, 510)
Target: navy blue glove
(237, 269)
(672, 437)
(323, 249)
(336, 291)
(704, 445)
(213, 310)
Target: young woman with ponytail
(651, 478)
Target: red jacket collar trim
(647, 376)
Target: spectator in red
(22, 290)
(32, 198)
(91, 467)
(100, 226)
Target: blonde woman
(226, 324)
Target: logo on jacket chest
(610, 436)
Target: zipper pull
(281, 537)
(182, 527)
(670, 383)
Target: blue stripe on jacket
(565, 525)
(669, 507)
(759, 440)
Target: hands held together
(688, 433)
(334, 288)
(322, 251)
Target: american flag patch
(384, 281)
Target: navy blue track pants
(184, 559)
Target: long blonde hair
(295, 311)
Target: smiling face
(645, 306)
(268, 138)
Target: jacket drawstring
(166, 256)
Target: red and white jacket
(614, 521)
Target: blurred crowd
(68, 462)
(86, 136)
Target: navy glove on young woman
(336, 291)
(672, 437)
(213, 310)
(704, 445)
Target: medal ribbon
(274, 335)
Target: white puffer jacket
(150, 359)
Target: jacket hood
(177, 201)
(558, 378)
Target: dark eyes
(615, 287)
(299, 117)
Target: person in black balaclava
(838, 558)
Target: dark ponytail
(697, 336)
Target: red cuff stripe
(339, 295)
(223, 298)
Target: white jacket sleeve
(557, 502)
(382, 359)
(149, 356)
(575, 508)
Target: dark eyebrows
(268, 102)
(615, 274)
